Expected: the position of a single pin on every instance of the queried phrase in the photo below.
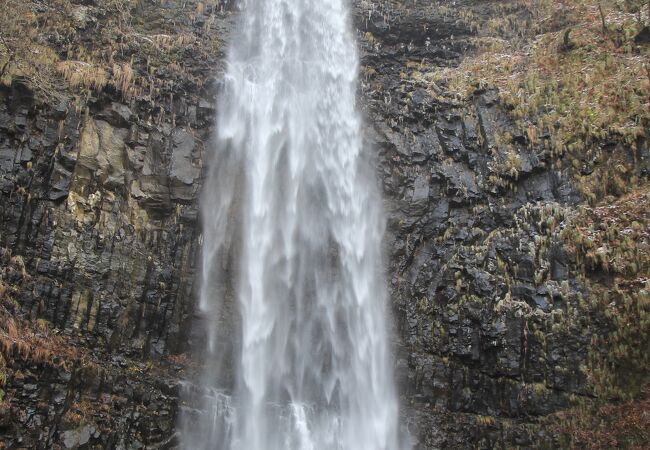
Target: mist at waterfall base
(293, 294)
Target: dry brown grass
(25, 52)
(610, 244)
(569, 85)
(167, 41)
(41, 45)
(623, 425)
(34, 343)
(123, 76)
(180, 359)
(614, 237)
(79, 413)
(82, 74)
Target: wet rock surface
(111, 254)
(101, 204)
(478, 275)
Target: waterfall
(292, 244)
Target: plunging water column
(291, 204)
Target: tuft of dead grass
(571, 86)
(35, 343)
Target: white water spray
(291, 204)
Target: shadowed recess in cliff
(292, 231)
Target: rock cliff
(496, 298)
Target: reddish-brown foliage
(624, 425)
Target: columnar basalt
(100, 236)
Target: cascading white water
(290, 181)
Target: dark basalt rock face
(103, 210)
(476, 278)
(102, 206)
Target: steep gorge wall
(476, 363)
(100, 237)
(488, 292)
(99, 231)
